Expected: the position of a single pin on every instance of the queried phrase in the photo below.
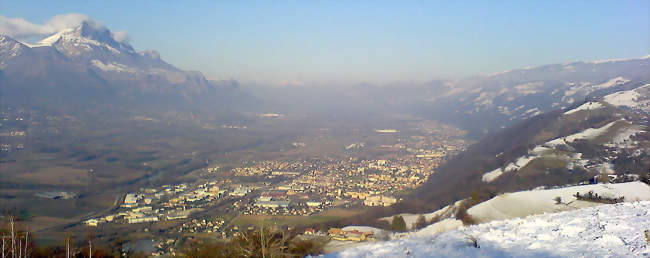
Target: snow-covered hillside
(448, 211)
(615, 134)
(496, 101)
(614, 230)
(521, 204)
(525, 203)
(635, 99)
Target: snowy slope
(621, 131)
(521, 204)
(614, 230)
(526, 203)
(448, 211)
(638, 98)
(513, 166)
(587, 134)
(587, 106)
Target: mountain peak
(93, 31)
(9, 48)
(98, 32)
(87, 32)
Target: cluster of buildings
(202, 226)
(170, 202)
(328, 183)
(296, 188)
(349, 235)
(270, 169)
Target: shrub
(304, 247)
(263, 242)
(463, 216)
(398, 224)
(420, 222)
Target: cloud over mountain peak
(22, 29)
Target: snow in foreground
(607, 230)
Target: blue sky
(364, 41)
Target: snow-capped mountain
(88, 59)
(496, 101)
(87, 40)
(9, 49)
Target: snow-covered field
(613, 230)
(524, 203)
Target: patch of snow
(528, 88)
(630, 98)
(587, 134)
(614, 230)
(112, 67)
(484, 99)
(439, 227)
(612, 82)
(512, 166)
(490, 176)
(623, 137)
(531, 112)
(575, 88)
(444, 213)
(582, 89)
(540, 150)
(570, 101)
(52, 39)
(622, 98)
(587, 106)
(504, 110)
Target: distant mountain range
(480, 104)
(488, 103)
(87, 63)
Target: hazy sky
(363, 41)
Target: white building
(143, 219)
(92, 222)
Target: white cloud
(121, 36)
(19, 27)
(22, 29)
(71, 20)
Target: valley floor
(613, 230)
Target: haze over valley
(103, 142)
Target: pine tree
(399, 225)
